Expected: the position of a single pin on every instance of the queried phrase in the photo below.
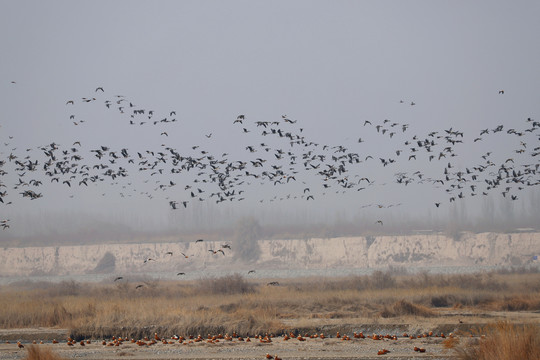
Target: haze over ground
(327, 66)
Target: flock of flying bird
(218, 178)
(171, 254)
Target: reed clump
(503, 340)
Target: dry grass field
(490, 314)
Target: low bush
(232, 284)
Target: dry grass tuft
(41, 353)
(517, 303)
(404, 308)
(503, 341)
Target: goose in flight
(216, 251)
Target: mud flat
(328, 348)
(469, 330)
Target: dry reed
(40, 353)
(503, 341)
(248, 307)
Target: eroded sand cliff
(487, 249)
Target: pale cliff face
(346, 252)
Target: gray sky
(329, 65)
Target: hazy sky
(329, 65)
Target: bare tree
(246, 235)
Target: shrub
(107, 264)
(231, 284)
(382, 280)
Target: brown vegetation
(232, 303)
(39, 353)
(404, 308)
(503, 341)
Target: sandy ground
(331, 347)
